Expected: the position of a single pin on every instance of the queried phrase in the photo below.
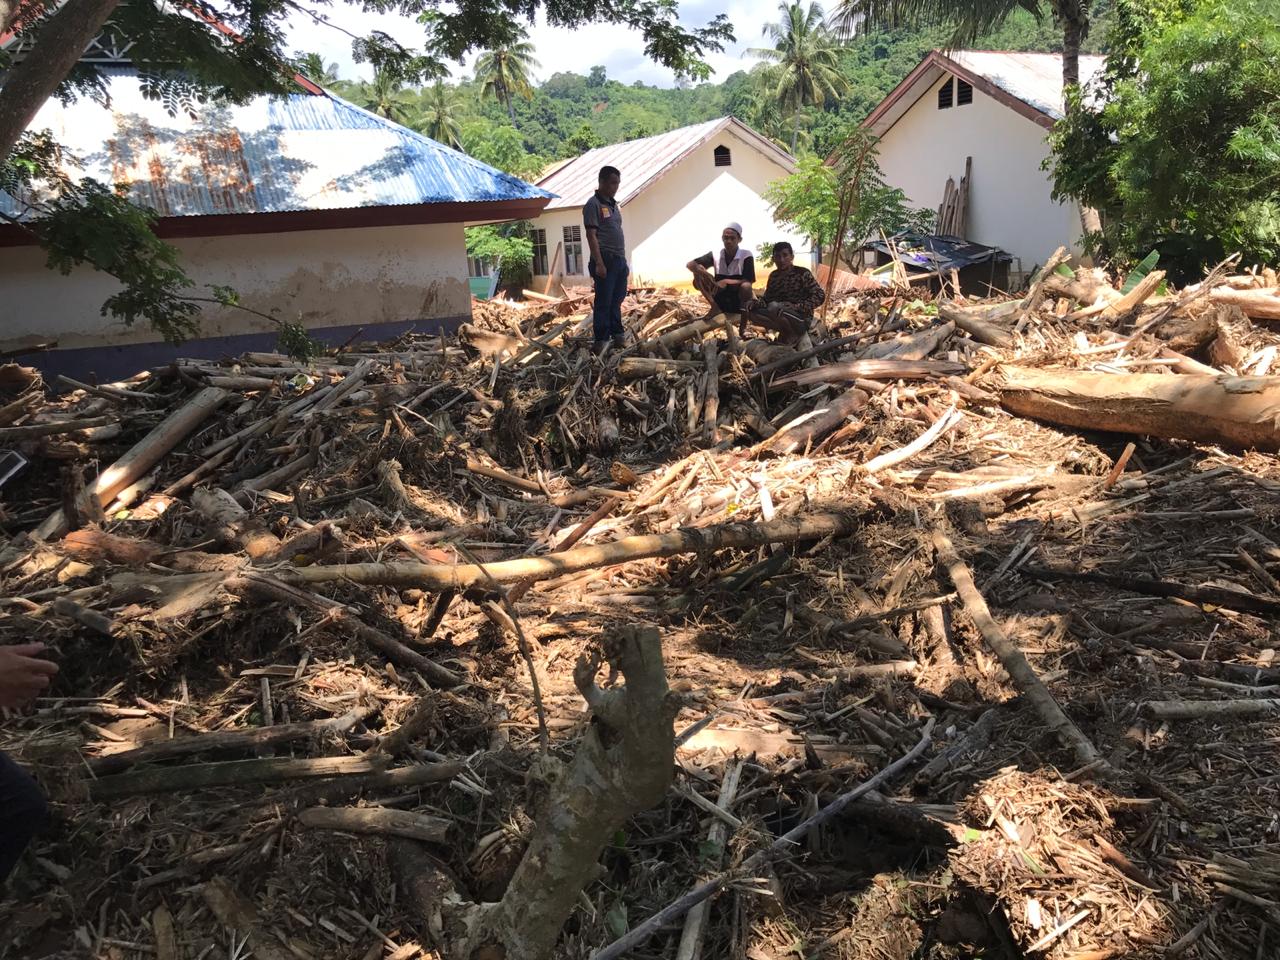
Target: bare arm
(593, 242)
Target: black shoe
(619, 341)
(598, 346)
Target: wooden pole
(142, 456)
(699, 540)
(1011, 658)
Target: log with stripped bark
(1239, 412)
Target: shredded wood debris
(310, 615)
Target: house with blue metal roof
(309, 207)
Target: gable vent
(944, 94)
(964, 93)
(723, 157)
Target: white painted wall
(325, 278)
(681, 215)
(554, 222)
(1009, 197)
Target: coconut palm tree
(970, 19)
(438, 117)
(313, 67)
(504, 74)
(805, 59)
(386, 96)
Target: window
(573, 252)
(539, 238)
(477, 267)
(964, 93)
(723, 157)
(944, 94)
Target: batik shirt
(796, 287)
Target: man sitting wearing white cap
(729, 288)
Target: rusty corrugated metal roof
(275, 154)
(643, 161)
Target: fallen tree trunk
(463, 576)
(817, 424)
(233, 524)
(872, 370)
(977, 322)
(142, 456)
(623, 765)
(379, 821)
(1256, 304)
(255, 739)
(1012, 659)
(1241, 412)
(201, 776)
(691, 331)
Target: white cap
(735, 227)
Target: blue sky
(620, 51)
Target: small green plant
(294, 341)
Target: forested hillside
(569, 113)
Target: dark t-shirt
(743, 268)
(605, 218)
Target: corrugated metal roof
(1034, 78)
(644, 160)
(273, 155)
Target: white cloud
(621, 52)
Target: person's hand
(601, 271)
(23, 675)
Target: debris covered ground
(302, 622)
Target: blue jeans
(606, 313)
(22, 813)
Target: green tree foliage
(507, 247)
(968, 20)
(502, 147)
(313, 67)
(437, 116)
(806, 66)
(809, 201)
(1184, 154)
(504, 74)
(386, 96)
(583, 139)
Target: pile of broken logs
(948, 631)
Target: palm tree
(438, 118)
(970, 19)
(313, 67)
(504, 73)
(804, 53)
(386, 96)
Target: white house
(678, 191)
(309, 207)
(997, 108)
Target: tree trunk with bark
(623, 766)
(1239, 412)
(61, 42)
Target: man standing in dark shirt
(602, 218)
(729, 287)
